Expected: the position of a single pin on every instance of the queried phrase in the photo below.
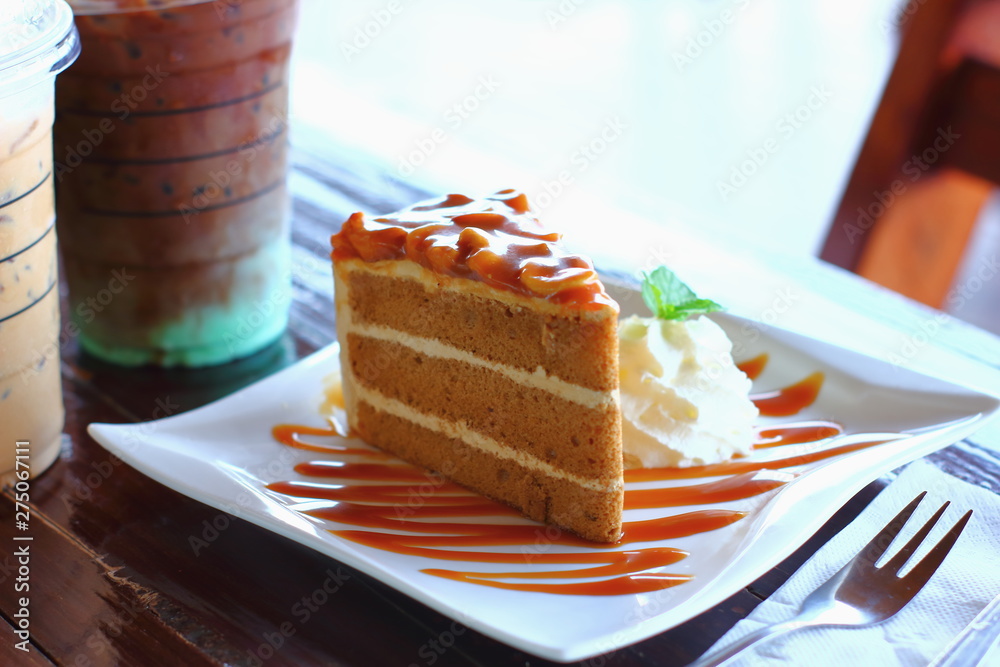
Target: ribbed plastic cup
(37, 41)
(171, 159)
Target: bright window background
(672, 98)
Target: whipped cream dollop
(684, 401)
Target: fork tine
(874, 549)
(896, 563)
(923, 570)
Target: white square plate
(224, 455)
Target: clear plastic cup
(37, 41)
(171, 154)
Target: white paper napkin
(964, 584)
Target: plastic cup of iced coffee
(37, 41)
(171, 152)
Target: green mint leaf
(671, 299)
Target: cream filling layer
(474, 439)
(538, 379)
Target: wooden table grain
(126, 571)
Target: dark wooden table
(117, 578)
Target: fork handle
(726, 654)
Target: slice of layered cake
(474, 345)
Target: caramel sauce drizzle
(752, 368)
(791, 399)
(290, 435)
(496, 240)
(795, 434)
(386, 504)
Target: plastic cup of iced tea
(37, 41)
(171, 155)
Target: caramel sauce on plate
(752, 368)
(495, 240)
(794, 434)
(380, 502)
(789, 400)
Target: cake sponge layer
(564, 434)
(501, 331)
(592, 515)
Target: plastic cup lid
(37, 39)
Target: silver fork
(860, 593)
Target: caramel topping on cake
(495, 240)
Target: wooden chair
(932, 154)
